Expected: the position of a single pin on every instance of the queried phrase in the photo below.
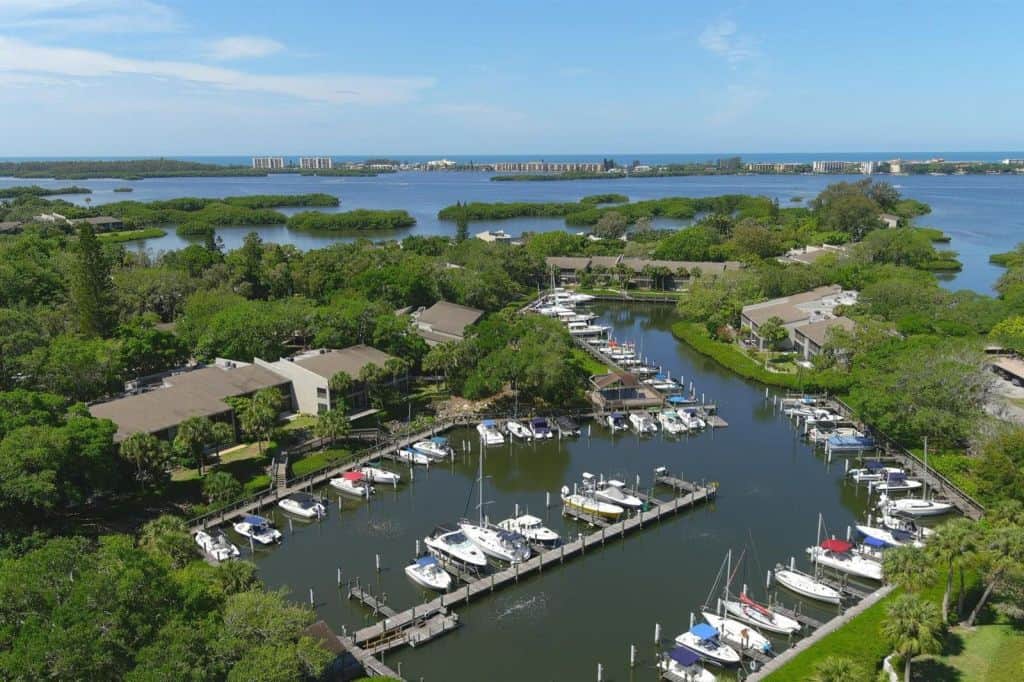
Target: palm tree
(912, 627)
(838, 669)
(341, 385)
(907, 567)
(1002, 556)
(221, 488)
(148, 454)
(332, 424)
(168, 536)
(193, 436)
(952, 546)
(258, 415)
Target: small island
(357, 220)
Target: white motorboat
(455, 546)
(616, 422)
(611, 491)
(434, 448)
(893, 537)
(412, 457)
(489, 433)
(501, 544)
(380, 476)
(531, 528)
(735, 631)
(588, 505)
(540, 429)
(904, 524)
(353, 483)
(684, 665)
(895, 482)
(690, 418)
(839, 555)
(912, 506)
(216, 544)
(702, 639)
(257, 528)
(554, 310)
(643, 423)
(586, 329)
(749, 611)
(872, 472)
(806, 586)
(303, 504)
(671, 423)
(517, 430)
(426, 572)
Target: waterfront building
(1013, 162)
(268, 162)
(796, 311)
(569, 269)
(316, 162)
(494, 236)
(811, 338)
(548, 167)
(889, 220)
(836, 167)
(444, 321)
(810, 254)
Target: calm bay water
(983, 214)
(561, 624)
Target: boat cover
(683, 656)
(896, 477)
(834, 545)
(677, 399)
(539, 421)
(872, 541)
(704, 631)
(426, 561)
(873, 465)
(352, 476)
(617, 415)
(489, 423)
(439, 440)
(254, 520)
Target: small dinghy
(216, 544)
(702, 639)
(806, 586)
(303, 504)
(257, 528)
(427, 572)
(684, 665)
(353, 483)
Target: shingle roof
(817, 332)
(449, 318)
(615, 379)
(786, 312)
(349, 360)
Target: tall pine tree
(92, 296)
(462, 223)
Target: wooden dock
(370, 601)
(806, 621)
(753, 654)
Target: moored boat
(352, 483)
(499, 543)
(671, 423)
(517, 430)
(434, 448)
(611, 491)
(427, 572)
(806, 586)
(749, 611)
(616, 421)
(912, 506)
(216, 544)
(839, 555)
(683, 665)
(303, 504)
(455, 546)
(540, 429)
(567, 426)
(895, 481)
(411, 457)
(643, 423)
(738, 632)
(257, 528)
(588, 505)
(489, 433)
(532, 528)
(380, 476)
(702, 639)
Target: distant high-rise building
(896, 166)
(548, 167)
(836, 166)
(268, 162)
(316, 162)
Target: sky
(121, 77)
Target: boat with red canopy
(352, 483)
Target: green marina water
(561, 624)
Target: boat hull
(777, 623)
(720, 655)
(431, 582)
(806, 587)
(593, 507)
(862, 568)
(738, 632)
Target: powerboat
(735, 631)
(611, 491)
(412, 457)
(912, 506)
(567, 427)
(684, 665)
(216, 544)
(702, 639)
(904, 524)
(380, 476)
(303, 504)
(353, 483)
(455, 546)
(588, 505)
(643, 423)
(671, 423)
(257, 528)
(496, 542)
(540, 429)
(434, 448)
(749, 611)
(517, 430)
(586, 329)
(427, 572)
(531, 528)
(895, 482)
(690, 418)
(617, 422)
(890, 536)
(839, 555)
(806, 586)
(872, 472)
(489, 433)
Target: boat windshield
(456, 538)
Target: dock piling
(600, 671)
(632, 655)
(339, 576)
(311, 596)
(657, 633)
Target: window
(321, 392)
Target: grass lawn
(319, 460)
(989, 653)
(131, 235)
(588, 362)
(302, 421)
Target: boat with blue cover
(426, 571)
(682, 665)
(703, 640)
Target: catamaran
(643, 423)
(702, 639)
(588, 505)
(435, 448)
(806, 585)
(257, 528)
(489, 433)
(216, 544)
(531, 528)
(671, 423)
(353, 483)
(303, 504)
(380, 476)
(455, 546)
(540, 429)
(517, 430)
(684, 665)
(426, 571)
(611, 491)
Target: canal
(560, 625)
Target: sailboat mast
(924, 488)
(480, 506)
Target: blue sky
(114, 77)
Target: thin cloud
(243, 47)
(88, 16)
(17, 56)
(723, 39)
(735, 104)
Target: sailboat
(839, 555)
(913, 506)
(502, 544)
(749, 611)
(733, 631)
(806, 585)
